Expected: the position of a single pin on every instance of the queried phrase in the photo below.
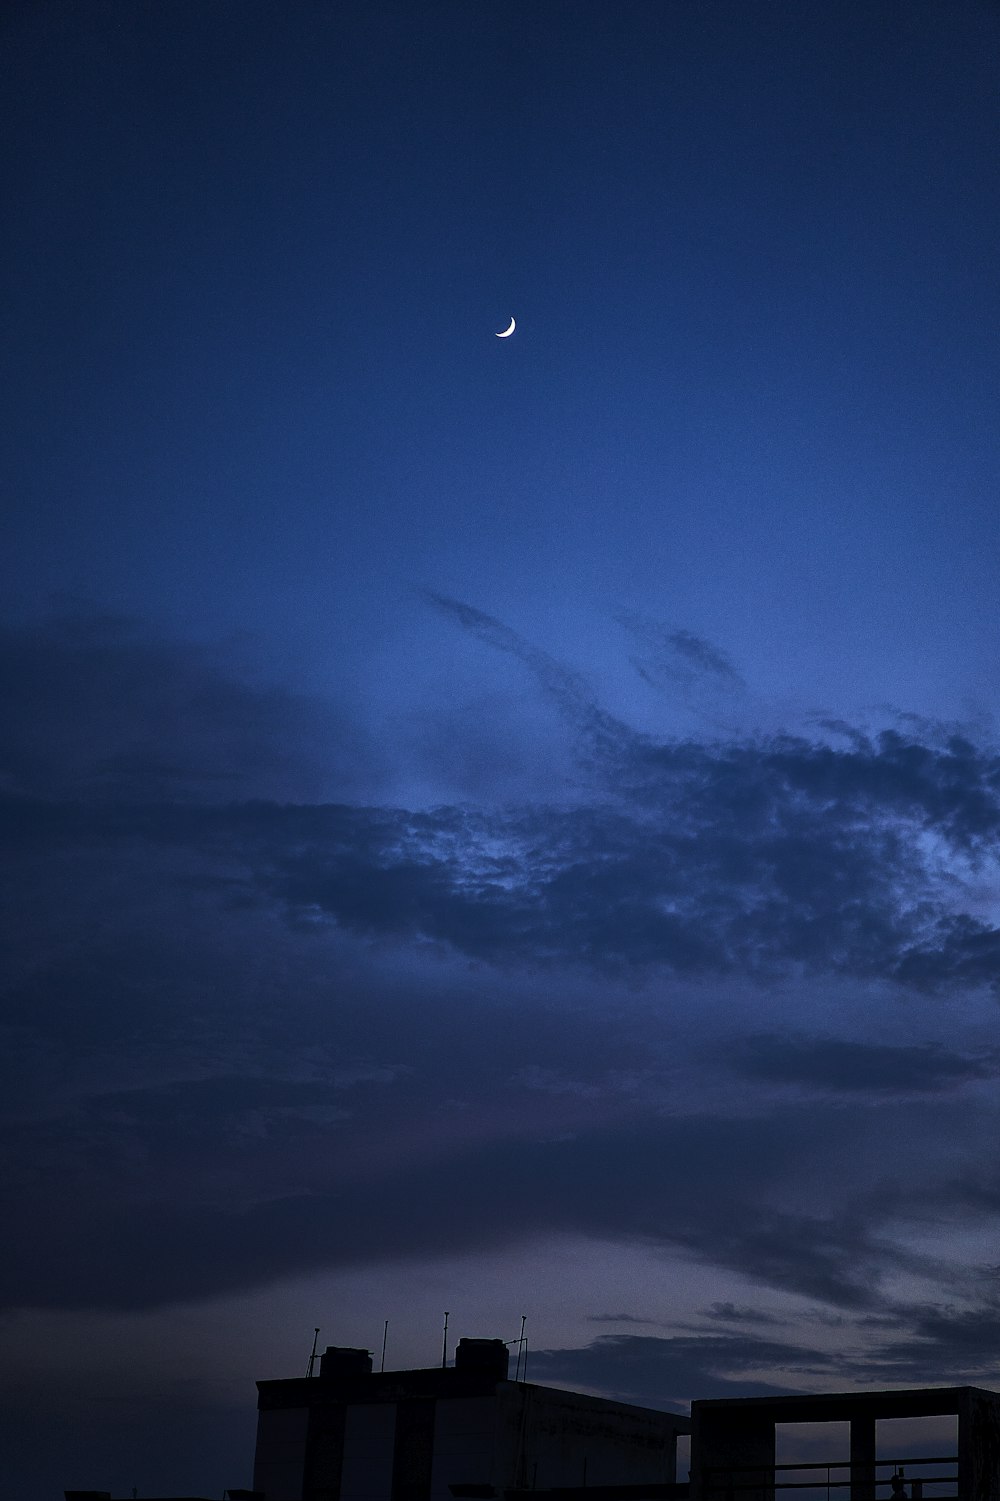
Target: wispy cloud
(728, 1313)
(939, 1345)
(660, 1371)
(865, 1068)
(567, 689)
(678, 656)
(617, 1318)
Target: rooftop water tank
(483, 1357)
(343, 1362)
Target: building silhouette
(469, 1433)
(351, 1434)
(733, 1447)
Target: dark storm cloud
(866, 1068)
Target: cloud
(251, 1032)
(728, 1313)
(941, 1345)
(719, 867)
(951, 1340)
(617, 1318)
(99, 708)
(753, 856)
(145, 1217)
(656, 1371)
(567, 689)
(679, 656)
(687, 672)
(933, 1343)
(760, 858)
(867, 1068)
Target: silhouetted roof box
(344, 1363)
(483, 1357)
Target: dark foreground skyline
(505, 825)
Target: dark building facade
(354, 1435)
(733, 1447)
(469, 1433)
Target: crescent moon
(508, 331)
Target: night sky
(498, 825)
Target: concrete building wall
(464, 1444)
(554, 1438)
(281, 1450)
(411, 1435)
(413, 1450)
(723, 1438)
(324, 1452)
(979, 1446)
(731, 1433)
(369, 1441)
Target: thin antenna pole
(385, 1336)
(524, 1368)
(444, 1346)
(312, 1358)
(520, 1342)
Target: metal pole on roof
(444, 1344)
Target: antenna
(385, 1336)
(312, 1358)
(444, 1346)
(520, 1347)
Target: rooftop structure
(733, 1447)
(468, 1433)
(463, 1431)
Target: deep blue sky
(506, 825)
